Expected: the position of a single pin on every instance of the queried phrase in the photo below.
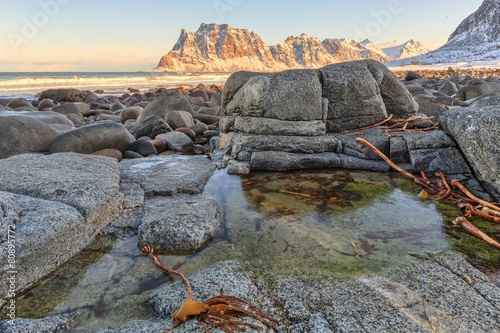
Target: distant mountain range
(222, 48)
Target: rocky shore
(74, 164)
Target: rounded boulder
(88, 139)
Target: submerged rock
(180, 224)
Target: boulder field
(74, 164)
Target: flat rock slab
(166, 175)
(89, 183)
(51, 324)
(179, 224)
(45, 234)
(439, 294)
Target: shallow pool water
(335, 223)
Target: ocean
(29, 84)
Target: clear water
(335, 223)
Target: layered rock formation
(222, 48)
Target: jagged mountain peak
(482, 26)
(477, 38)
(222, 48)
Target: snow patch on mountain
(475, 40)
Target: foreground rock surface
(57, 204)
(438, 294)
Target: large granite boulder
(284, 103)
(21, 134)
(88, 139)
(68, 95)
(278, 110)
(362, 93)
(289, 95)
(476, 131)
(161, 105)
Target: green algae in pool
(322, 223)
(334, 223)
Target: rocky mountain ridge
(477, 38)
(222, 48)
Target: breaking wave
(26, 84)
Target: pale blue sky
(126, 35)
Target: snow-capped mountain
(476, 39)
(218, 48)
(222, 48)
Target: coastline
(29, 85)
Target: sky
(126, 35)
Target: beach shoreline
(29, 85)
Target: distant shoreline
(30, 84)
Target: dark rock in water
(142, 147)
(177, 141)
(161, 105)
(88, 139)
(151, 127)
(180, 224)
(68, 95)
(476, 131)
(21, 134)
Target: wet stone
(179, 224)
(168, 174)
